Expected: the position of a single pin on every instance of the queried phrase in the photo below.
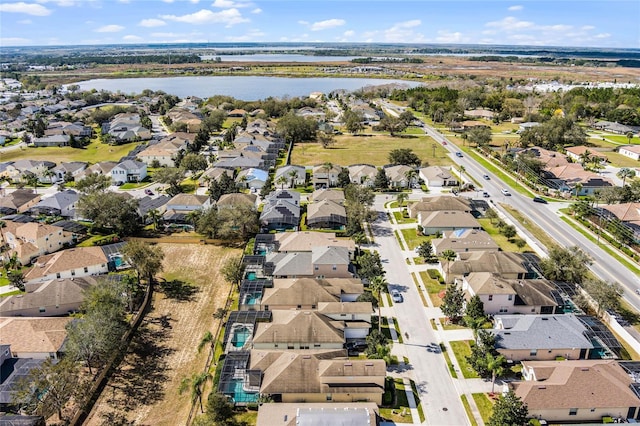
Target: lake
(271, 57)
(247, 88)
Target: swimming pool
(252, 299)
(251, 276)
(240, 395)
(240, 336)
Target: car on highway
(485, 176)
(505, 192)
(458, 154)
(485, 194)
(444, 142)
(539, 200)
(396, 296)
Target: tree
(293, 174)
(566, 264)
(195, 384)
(281, 181)
(325, 139)
(111, 210)
(367, 296)
(606, 295)
(297, 129)
(475, 309)
(448, 256)
(171, 176)
(374, 340)
(233, 270)
(392, 124)
(353, 121)
(343, 178)
(145, 258)
(239, 223)
(624, 173)
(411, 175)
(381, 182)
(193, 162)
(425, 251)
(480, 136)
(208, 223)
(369, 265)
(404, 156)
(93, 182)
(16, 279)
(377, 285)
(452, 303)
(495, 366)
(400, 198)
(155, 217)
(214, 121)
(220, 409)
(406, 117)
(31, 180)
(509, 410)
(509, 231)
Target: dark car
(458, 154)
(354, 348)
(148, 192)
(539, 200)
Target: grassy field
(372, 150)
(500, 239)
(462, 349)
(412, 238)
(92, 153)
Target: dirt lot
(144, 391)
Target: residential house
(504, 296)
(213, 174)
(70, 263)
(548, 158)
(63, 171)
(325, 194)
(18, 201)
(252, 178)
(298, 329)
(290, 176)
(38, 338)
(505, 264)
(237, 113)
(100, 168)
(326, 214)
(631, 151)
(627, 213)
(568, 177)
(580, 391)
(578, 153)
(438, 176)
(307, 293)
(362, 174)
(541, 337)
(369, 114)
(241, 162)
(398, 176)
(441, 221)
(15, 370)
(59, 204)
(464, 240)
(128, 171)
(281, 211)
(438, 203)
(613, 127)
(308, 112)
(18, 170)
(293, 377)
(146, 204)
(126, 127)
(48, 299)
(178, 208)
(291, 242)
(52, 140)
(164, 152)
(236, 199)
(320, 262)
(325, 175)
(335, 413)
(185, 116)
(30, 240)
(480, 113)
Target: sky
(576, 23)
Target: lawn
(485, 405)
(92, 153)
(400, 412)
(373, 150)
(500, 239)
(537, 232)
(467, 408)
(433, 288)
(412, 238)
(400, 219)
(619, 160)
(462, 349)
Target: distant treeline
(113, 60)
(629, 63)
(370, 60)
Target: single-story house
(398, 176)
(576, 153)
(441, 221)
(362, 174)
(53, 140)
(438, 176)
(631, 151)
(464, 240)
(38, 338)
(305, 241)
(580, 391)
(356, 413)
(320, 262)
(541, 337)
(298, 329)
(236, 199)
(252, 178)
(307, 293)
(70, 263)
(325, 194)
(290, 176)
(326, 214)
(439, 203)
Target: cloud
(25, 21)
(602, 35)
(587, 27)
(256, 11)
(61, 3)
(13, 41)
(229, 17)
(509, 24)
(329, 23)
(515, 8)
(28, 8)
(109, 29)
(150, 23)
(132, 39)
(349, 33)
(402, 32)
(445, 36)
(250, 36)
(228, 4)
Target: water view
(245, 88)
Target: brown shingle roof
(66, 260)
(33, 335)
(298, 327)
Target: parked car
(539, 200)
(148, 192)
(505, 192)
(354, 348)
(396, 296)
(458, 154)
(485, 194)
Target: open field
(373, 150)
(92, 153)
(145, 387)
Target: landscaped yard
(400, 412)
(164, 351)
(92, 153)
(485, 405)
(412, 238)
(462, 349)
(500, 239)
(372, 150)
(434, 288)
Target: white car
(505, 192)
(396, 297)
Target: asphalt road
(439, 397)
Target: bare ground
(144, 390)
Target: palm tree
(462, 171)
(578, 188)
(585, 157)
(155, 217)
(495, 366)
(629, 136)
(625, 173)
(281, 180)
(448, 255)
(400, 198)
(293, 174)
(377, 285)
(196, 384)
(411, 176)
(327, 167)
(31, 180)
(193, 216)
